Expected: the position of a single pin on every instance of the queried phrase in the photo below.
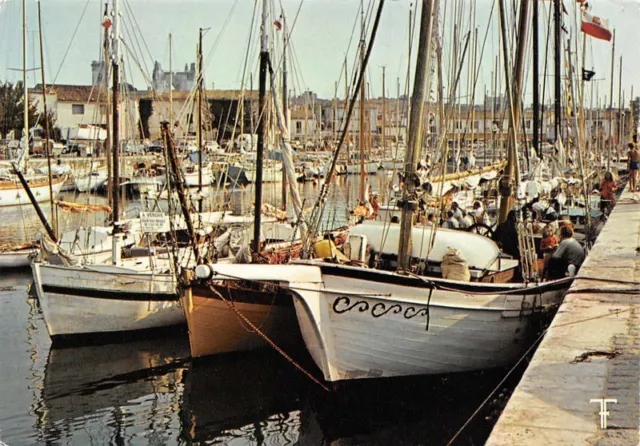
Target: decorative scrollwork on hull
(344, 304)
(380, 309)
(411, 312)
(360, 305)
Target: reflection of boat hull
(82, 381)
(229, 392)
(215, 328)
(12, 193)
(84, 300)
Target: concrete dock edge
(590, 352)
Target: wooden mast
(557, 78)
(511, 175)
(200, 144)
(421, 81)
(115, 142)
(264, 62)
(610, 136)
(536, 79)
(285, 105)
(108, 143)
(46, 120)
(362, 93)
(384, 115)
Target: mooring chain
(233, 308)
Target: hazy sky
(320, 39)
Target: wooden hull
(215, 328)
(84, 300)
(13, 194)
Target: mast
(613, 55)
(362, 92)
(512, 173)
(384, 114)
(108, 144)
(285, 105)
(200, 92)
(536, 80)
(24, 81)
(46, 120)
(170, 84)
(422, 79)
(557, 78)
(264, 60)
(115, 143)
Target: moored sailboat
(406, 316)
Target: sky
(321, 34)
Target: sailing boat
(136, 293)
(211, 308)
(14, 183)
(359, 322)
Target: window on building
(528, 124)
(103, 109)
(298, 126)
(77, 109)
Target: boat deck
(590, 352)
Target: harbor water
(149, 391)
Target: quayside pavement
(590, 353)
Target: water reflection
(253, 396)
(120, 387)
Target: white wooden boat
(16, 258)
(92, 180)
(12, 193)
(103, 299)
(371, 168)
(365, 323)
(192, 179)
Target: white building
(76, 106)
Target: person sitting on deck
(467, 220)
(457, 212)
(570, 252)
(451, 222)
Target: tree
(55, 133)
(12, 109)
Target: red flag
(278, 25)
(106, 22)
(595, 27)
